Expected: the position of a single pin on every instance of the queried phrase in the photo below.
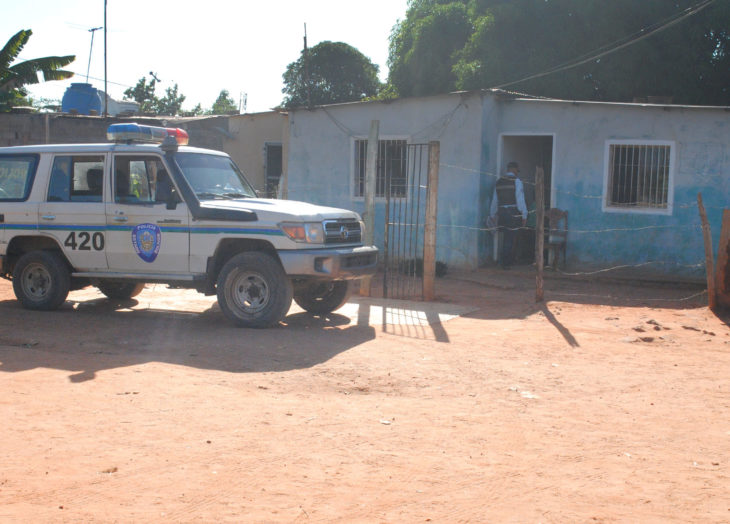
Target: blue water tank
(82, 99)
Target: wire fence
(692, 266)
(644, 259)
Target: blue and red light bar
(142, 133)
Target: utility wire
(618, 44)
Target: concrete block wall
(58, 128)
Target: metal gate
(405, 168)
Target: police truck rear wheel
(323, 297)
(41, 280)
(253, 290)
(121, 290)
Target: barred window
(392, 171)
(638, 176)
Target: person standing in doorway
(510, 211)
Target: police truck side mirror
(172, 200)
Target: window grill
(392, 168)
(638, 176)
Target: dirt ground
(606, 403)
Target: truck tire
(253, 290)
(120, 290)
(41, 280)
(322, 297)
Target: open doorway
(273, 161)
(530, 152)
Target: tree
(14, 78)
(507, 43)
(144, 94)
(422, 47)
(46, 105)
(329, 73)
(171, 103)
(224, 104)
(196, 111)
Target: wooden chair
(556, 235)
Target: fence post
(722, 296)
(539, 231)
(429, 235)
(371, 175)
(709, 260)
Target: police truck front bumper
(338, 264)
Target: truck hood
(272, 210)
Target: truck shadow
(96, 335)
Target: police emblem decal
(146, 239)
(344, 233)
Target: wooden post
(722, 295)
(429, 235)
(371, 174)
(539, 231)
(709, 260)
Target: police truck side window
(16, 176)
(135, 178)
(77, 179)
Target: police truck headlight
(308, 232)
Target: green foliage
(330, 73)
(224, 104)
(423, 45)
(43, 104)
(171, 103)
(196, 111)
(144, 94)
(386, 92)
(14, 78)
(444, 45)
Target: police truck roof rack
(130, 133)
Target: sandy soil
(606, 403)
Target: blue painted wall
(471, 128)
(321, 165)
(659, 244)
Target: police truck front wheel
(253, 290)
(320, 298)
(41, 280)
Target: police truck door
(73, 209)
(147, 222)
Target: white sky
(204, 46)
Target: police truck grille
(344, 231)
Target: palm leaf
(13, 78)
(28, 71)
(56, 74)
(13, 48)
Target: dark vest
(506, 191)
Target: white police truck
(147, 208)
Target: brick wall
(58, 128)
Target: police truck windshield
(214, 177)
